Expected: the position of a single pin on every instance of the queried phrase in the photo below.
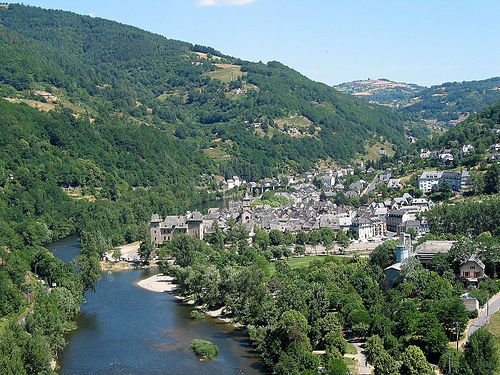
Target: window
(472, 267)
(466, 274)
(477, 274)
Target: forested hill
(249, 118)
(481, 130)
(452, 102)
(444, 105)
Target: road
(371, 186)
(494, 306)
(363, 367)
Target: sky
(427, 42)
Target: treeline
(469, 218)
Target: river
(124, 329)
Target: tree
(293, 328)
(302, 238)
(384, 255)
(336, 366)
(414, 362)
(492, 179)
(480, 353)
(88, 269)
(261, 239)
(342, 239)
(454, 363)
(445, 190)
(476, 182)
(145, 250)
(276, 237)
(117, 254)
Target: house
(446, 158)
(472, 270)
(395, 218)
(466, 150)
(395, 183)
(367, 229)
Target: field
(294, 120)
(494, 328)
(226, 73)
(305, 261)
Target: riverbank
(161, 283)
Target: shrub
(204, 349)
(196, 314)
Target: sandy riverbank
(158, 283)
(162, 283)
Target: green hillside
(452, 102)
(443, 105)
(104, 68)
(481, 131)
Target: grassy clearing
(351, 349)
(216, 154)
(295, 120)
(494, 328)
(372, 150)
(226, 73)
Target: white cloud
(218, 3)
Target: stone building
(162, 230)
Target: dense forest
(452, 101)
(104, 68)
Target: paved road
(494, 306)
(371, 186)
(363, 366)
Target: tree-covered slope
(105, 68)
(453, 101)
(480, 130)
(446, 104)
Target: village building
(426, 251)
(472, 270)
(163, 230)
(403, 252)
(457, 180)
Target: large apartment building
(457, 180)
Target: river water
(124, 329)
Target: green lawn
(351, 349)
(494, 328)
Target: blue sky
(420, 41)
